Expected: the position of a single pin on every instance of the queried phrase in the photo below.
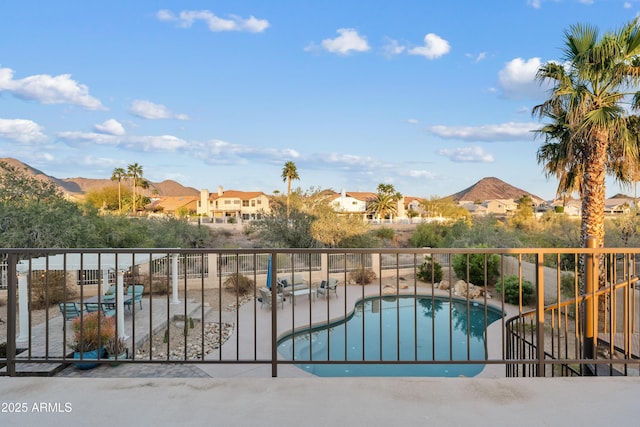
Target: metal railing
(216, 315)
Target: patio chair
(326, 287)
(107, 309)
(134, 292)
(71, 310)
(265, 297)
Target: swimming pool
(405, 328)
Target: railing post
(590, 276)
(540, 313)
(274, 314)
(12, 279)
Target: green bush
(512, 290)
(477, 268)
(362, 276)
(430, 270)
(567, 285)
(385, 233)
(238, 284)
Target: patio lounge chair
(71, 310)
(326, 287)
(265, 297)
(135, 294)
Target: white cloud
(477, 58)
(348, 41)
(22, 131)
(160, 143)
(392, 48)
(222, 152)
(413, 121)
(627, 5)
(518, 78)
(511, 131)
(74, 138)
(153, 111)
(186, 18)
(111, 127)
(46, 89)
(419, 174)
(535, 3)
(466, 155)
(434, 47)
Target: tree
(105, 198)
(444, 208)
(311, 223)
(523, 217)
(35, 214)
(119, 174)
(134, 172)
(289, 173)
(589, 136)
(385, 202)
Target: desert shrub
(91, 331)
(430, 270)
(362, 276)
(512, 290)
(238, 284)
(567, 285)
(48, 288)
(159, 287)
(384, 233)
(476, 267)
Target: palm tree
(119, 174)
(289, 173)
(134, 172)
(589, 135)
(385, 203)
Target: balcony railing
(205, 307)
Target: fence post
(12, 281)
(590, 276)
(540, 313)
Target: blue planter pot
(93, 354)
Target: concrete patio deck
(320, 401)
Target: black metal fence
(407, 312)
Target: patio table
(299, 292)
(107, 302)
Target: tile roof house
(241, 205)
(352, 202)
(172, 205)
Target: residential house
(491, 207)
(414, 204)
(351, 203)
(173, 205)
(240, 205)
(618, 205)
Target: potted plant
(116, 350)
(90, 334)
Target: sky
(428, 96)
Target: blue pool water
(403, 328)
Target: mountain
(79, 186)
(489, 189)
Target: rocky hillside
(79, 186)
(490, 189)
